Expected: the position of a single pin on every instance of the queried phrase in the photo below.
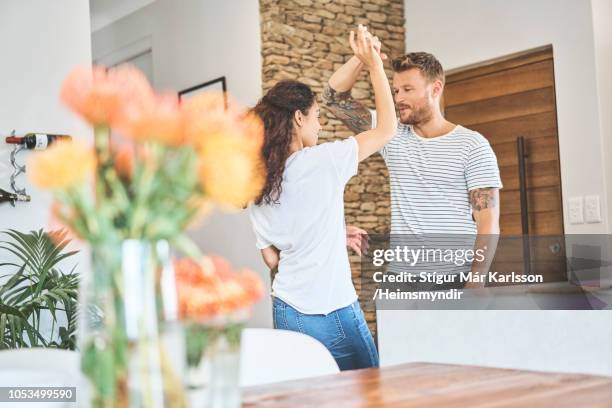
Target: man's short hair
(425, 62)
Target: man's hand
(337, 93)
(374, 39)
(357, 239)
(362, 45)
(378, 47)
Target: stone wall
(307, 40)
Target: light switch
(592, 211)
(575, 210)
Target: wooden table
(435, 385)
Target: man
(444, 177)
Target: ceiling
(105, 12)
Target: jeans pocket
(325, 328)
(278, 316)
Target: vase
(171, 329)
(213, 362)
(139, 271)
(101, 334)
(121, 357)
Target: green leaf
(12, 281)
(3, 319)
(9, 310)
(37, 285)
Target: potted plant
(32, 285)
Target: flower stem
(144, 186)
(102, 146)
(187, 246)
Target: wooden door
(503, 99)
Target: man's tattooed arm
(352, 113)
(483, 198)
(485, 210)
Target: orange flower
(212, 289)
(62, 166)
(222, 267)
(252, 284)
(97, 94)
(189, 271)
(157, 118)
(229, 174)
(229, 145)
(253, 130)
(59, 230)
(124, 161)
(206, 114)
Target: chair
(272, 355)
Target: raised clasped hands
(367, 48)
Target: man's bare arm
(484, 198)
(485, 209)
(337, 97)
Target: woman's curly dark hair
(276, 109)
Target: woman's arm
(271, 256)
(373, 140)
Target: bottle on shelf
(37, 141)
(8, 197)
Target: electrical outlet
(592, 211)
(575, 210)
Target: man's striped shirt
(430, 182)
(431, 178)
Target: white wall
(35, 60)
(602, 30)
(40, 42)
(466, 32)
(194, 41)
(553, 340)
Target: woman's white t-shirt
(307, 226)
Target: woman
(299, 217)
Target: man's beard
(417, 116)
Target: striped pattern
(430, 180)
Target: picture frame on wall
(214, 85)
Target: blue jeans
(344, 332)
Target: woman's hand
(363, 46)
(357, 239)
(371, 141)
(271, 256)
